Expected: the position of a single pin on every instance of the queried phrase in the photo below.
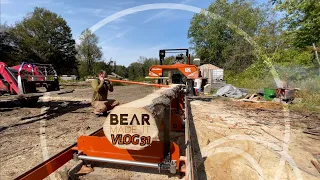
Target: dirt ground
(30, 135)
(231, 140)
(238, 140)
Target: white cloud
(110, 49)
(162, 13)
(98, 12)
(4, 1)
(120, 34)
(158, 15)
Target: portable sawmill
(139, 133)
(182, 71)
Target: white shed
(212, 72)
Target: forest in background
(239, 36)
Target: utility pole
(317, 57)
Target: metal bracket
(173, 169)
(168, 165)
(75, 156)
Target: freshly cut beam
(135, 125)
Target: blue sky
(125, 39)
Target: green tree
(146, 64)
(8, 48)
(135, 71)
(44, 37)
(122, 71)
(214, 42)
(302, 19)
(88, 50)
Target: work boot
(106, 113)
(85, 170)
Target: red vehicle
(25, 78)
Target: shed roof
(209, 66)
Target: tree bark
(136, 124)
(316, 54)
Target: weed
(309, 89)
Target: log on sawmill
(137, 124)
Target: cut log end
(137, 124)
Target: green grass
(310, 95)
(309, 89)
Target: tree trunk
(136, 124)
(317, 57)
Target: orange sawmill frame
(138, 83)
(190, 71)
(97, 145)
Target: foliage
(96, 67)
(89, 52)
(135, 71)
(309, 93)
(121, 71)
(302, 20)
(7, 47)
(44, 37)
(215, 42)
(140, 69)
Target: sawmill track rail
(49, 166)
(44, 169)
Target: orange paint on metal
(175, 155)
(138, 83)
(46, 168)
(176, 123)
(101, 147)
(49, 166)
(188, 70)
(98, 145)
